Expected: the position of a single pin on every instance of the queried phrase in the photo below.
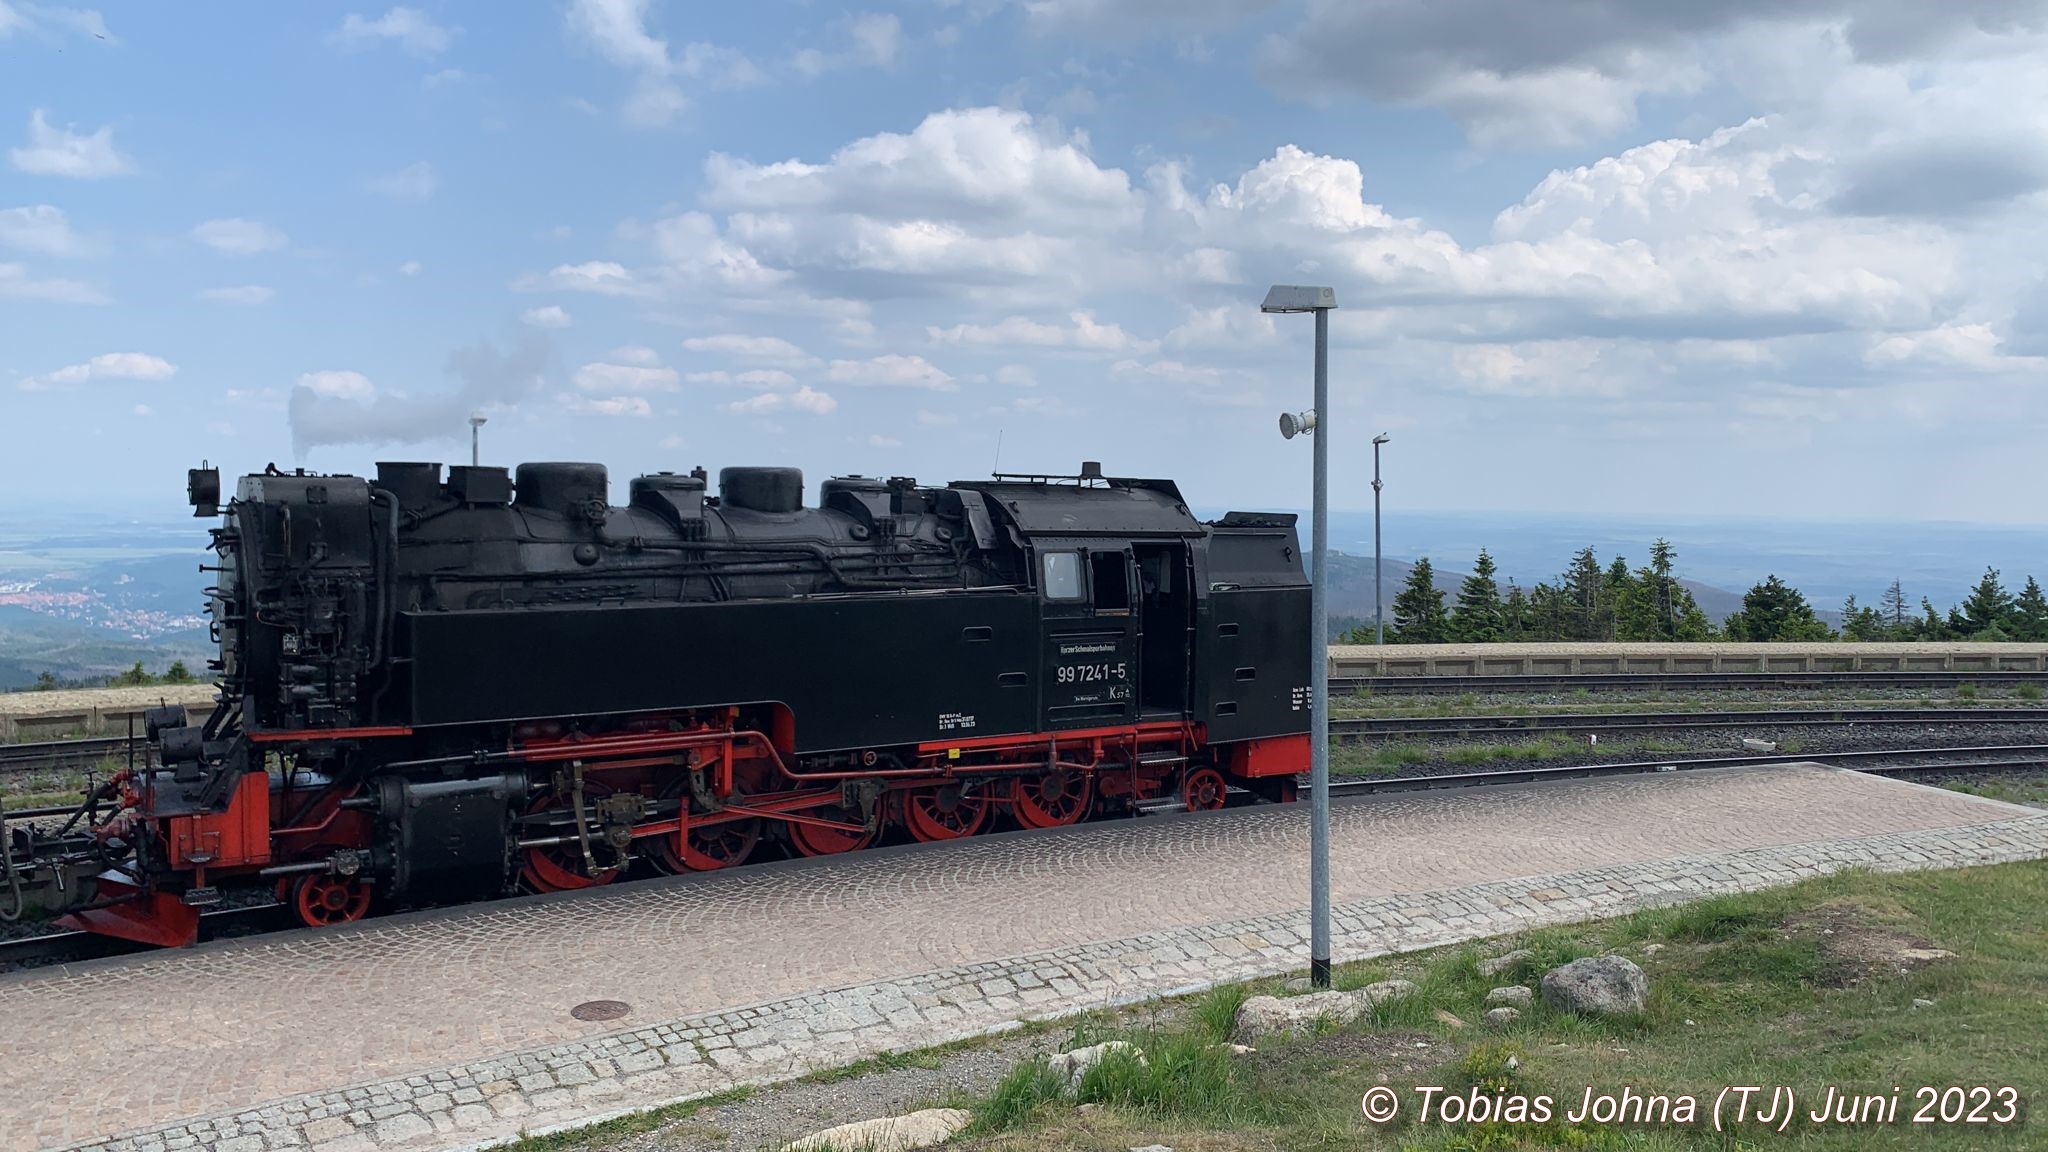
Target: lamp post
(1299, 298)
(476, 421)
(1379, 598)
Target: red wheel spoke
(1204, 790)
(946, 812)
(321, 900)
(813, 840)
(561, 867)
(1051, 799)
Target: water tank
(761, 489)
(415, 485)
(561, 488)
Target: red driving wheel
(1204, 790)
(813, 840)
(322, 899)
(1051, 799)
(711, 846)
(945, 812)
(561, 867)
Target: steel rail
(69, 947)
(1424, 684)
(55, 755)
(1995, 758)
(1355, 727)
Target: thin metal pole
(1379, 596)
(1319, 677)
(472, 444)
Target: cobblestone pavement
(454, 1028)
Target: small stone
(1513, 995)
(1922, 1003)
(888, 1134)
(1088, 1109)
(1501, 1017)
(1652, 949)
(1150, 1148)
(1597, 986)
(1074, 1065)
(1755, 745)
(1448, 1019)
(1503, 962)
(1239, 1049)
(332, 1128)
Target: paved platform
(448, 1029)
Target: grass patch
(2031, 790)
(1802, 986)
(2031, 693)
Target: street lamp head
(1293, 424)
(478, 420)
(1382, 438)
(1298, 298)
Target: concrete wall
(1583, 659)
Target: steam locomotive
(440, 688)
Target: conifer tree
(1514, 614)
(2029, 614)
(1476, 618)
(1774, 610)
(1585, 588)
(1986, 607)
(1897, 624)
(1419, 616)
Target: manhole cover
(600, 1010)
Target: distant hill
(32, 643)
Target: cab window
(1112, 585)
(1061, 575)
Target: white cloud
(1083, 331)
(106, 366)
(746, 347)
(608, 405)
(628, 369)
(143, 410)
(58, 151)
(617, 30)
(256, 399)
(548, 316)
(339, 385)
(238, 237)
(17, 281)
(23, 16)
(804, 399)
(932, 419)
(873, 40)
(38, 228)
(603, 277)
(884, 442)
(892, 370)
(1971, 346)
(409, 28)
(1221, 327)
(414, 182)
(240, 294)
(411, 268)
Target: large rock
(1074, 1065)
(887, 1134)
(1501, 1017)
(1597, 986)
(1514, 996)
(1263, 1016)
(1502, 963)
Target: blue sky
(1593, 257)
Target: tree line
(1592, 602)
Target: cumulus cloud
(409, 29)
(414, 182)
(746, 347)
(238, 237)
(602, 277)
(892, 371)
(38, 228)
(752, 378)
(608, 405)
(872, 40)
(239, 294)
(806, 399)
(547, 316)
(17, 281)
(106, 366)
(617, 31)
(347, 413)
(56, 150)
(1081, 331)
(53, 21)
(632, 368)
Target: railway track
(1916, 762)
(1418, 685)
(72, 947)
(1390, 726)
(56, 755)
